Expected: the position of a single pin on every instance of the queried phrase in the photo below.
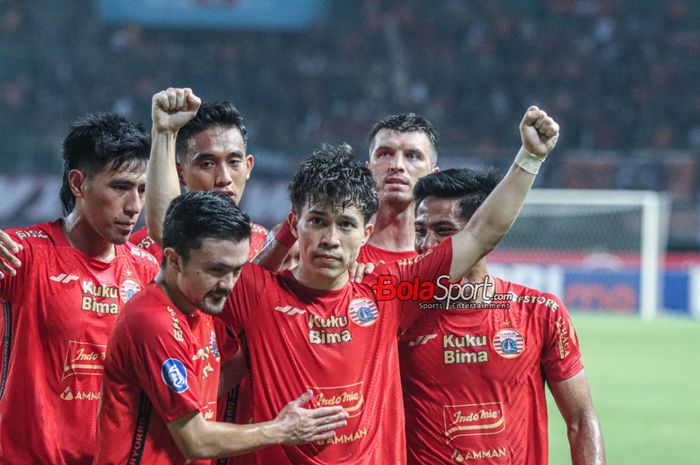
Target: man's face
(436, 220)
(397, 160)
(111, 200)
(329, 239)
(217, 161)
(206, 278)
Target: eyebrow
(200, 155)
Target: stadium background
(620, 76)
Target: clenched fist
(171, 109)
(538, 132)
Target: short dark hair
(101, 141)
(332, 175)
(471, 187)
(209, 115)
(195, 216)
(405, 122)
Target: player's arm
(278, 244)
(539, 134)
(9, 262)
(200, 439)
(573, 397)
(170, 110)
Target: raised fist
(539, 133)
(171, 109)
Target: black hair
(101, 141)
(405, 122)
(209, 115)
(471, 187)
(195, 216)
(332, 175)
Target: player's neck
(166, 279)
(317, 281)
(394, 228)
(83, 237)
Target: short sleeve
(11, 286)
(561, 356)
(163, 362)
(244, 298)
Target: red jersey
(161, 365)
(58, 312)
(474, 378)
(142, 239)
(371, 254)
(342, 344)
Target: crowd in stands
(620, 75)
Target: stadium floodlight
(597, 249)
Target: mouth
(126, 227)
(394, 181)
(327, 258)
(230, 194)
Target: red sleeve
(141, 239)
(246, 294)
(11, 287)
(164, 365)
(561, 356)
(419, 271)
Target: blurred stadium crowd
(620, 76)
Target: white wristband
(528, 161)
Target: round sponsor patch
(174, 375)
(509, 343)
(129, 289)
(363, 312)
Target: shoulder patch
(174, 375)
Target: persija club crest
(363, 312)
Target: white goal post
(630, 227)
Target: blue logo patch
(174, 375)
(363, 312)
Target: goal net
(598, 250)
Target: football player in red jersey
(311, 327)
(402, 149)
(162, 366)
(60, 305)
(473, 372)
(208, 142)
(208, 145)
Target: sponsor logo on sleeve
(509, 343)
(128, 289)
(31, 233)
(363, 312)
(473, 419)
(84, 358)
(174, 375)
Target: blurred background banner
(237, 14)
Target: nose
(330, 238)
(223, 177)
(227, 282)
(134, 203)
(398, 162)
(428, 242)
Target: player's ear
(172, 258)
(76, 181)
(369, 229)
(293, 223)
(250, 163)
(178, 165)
